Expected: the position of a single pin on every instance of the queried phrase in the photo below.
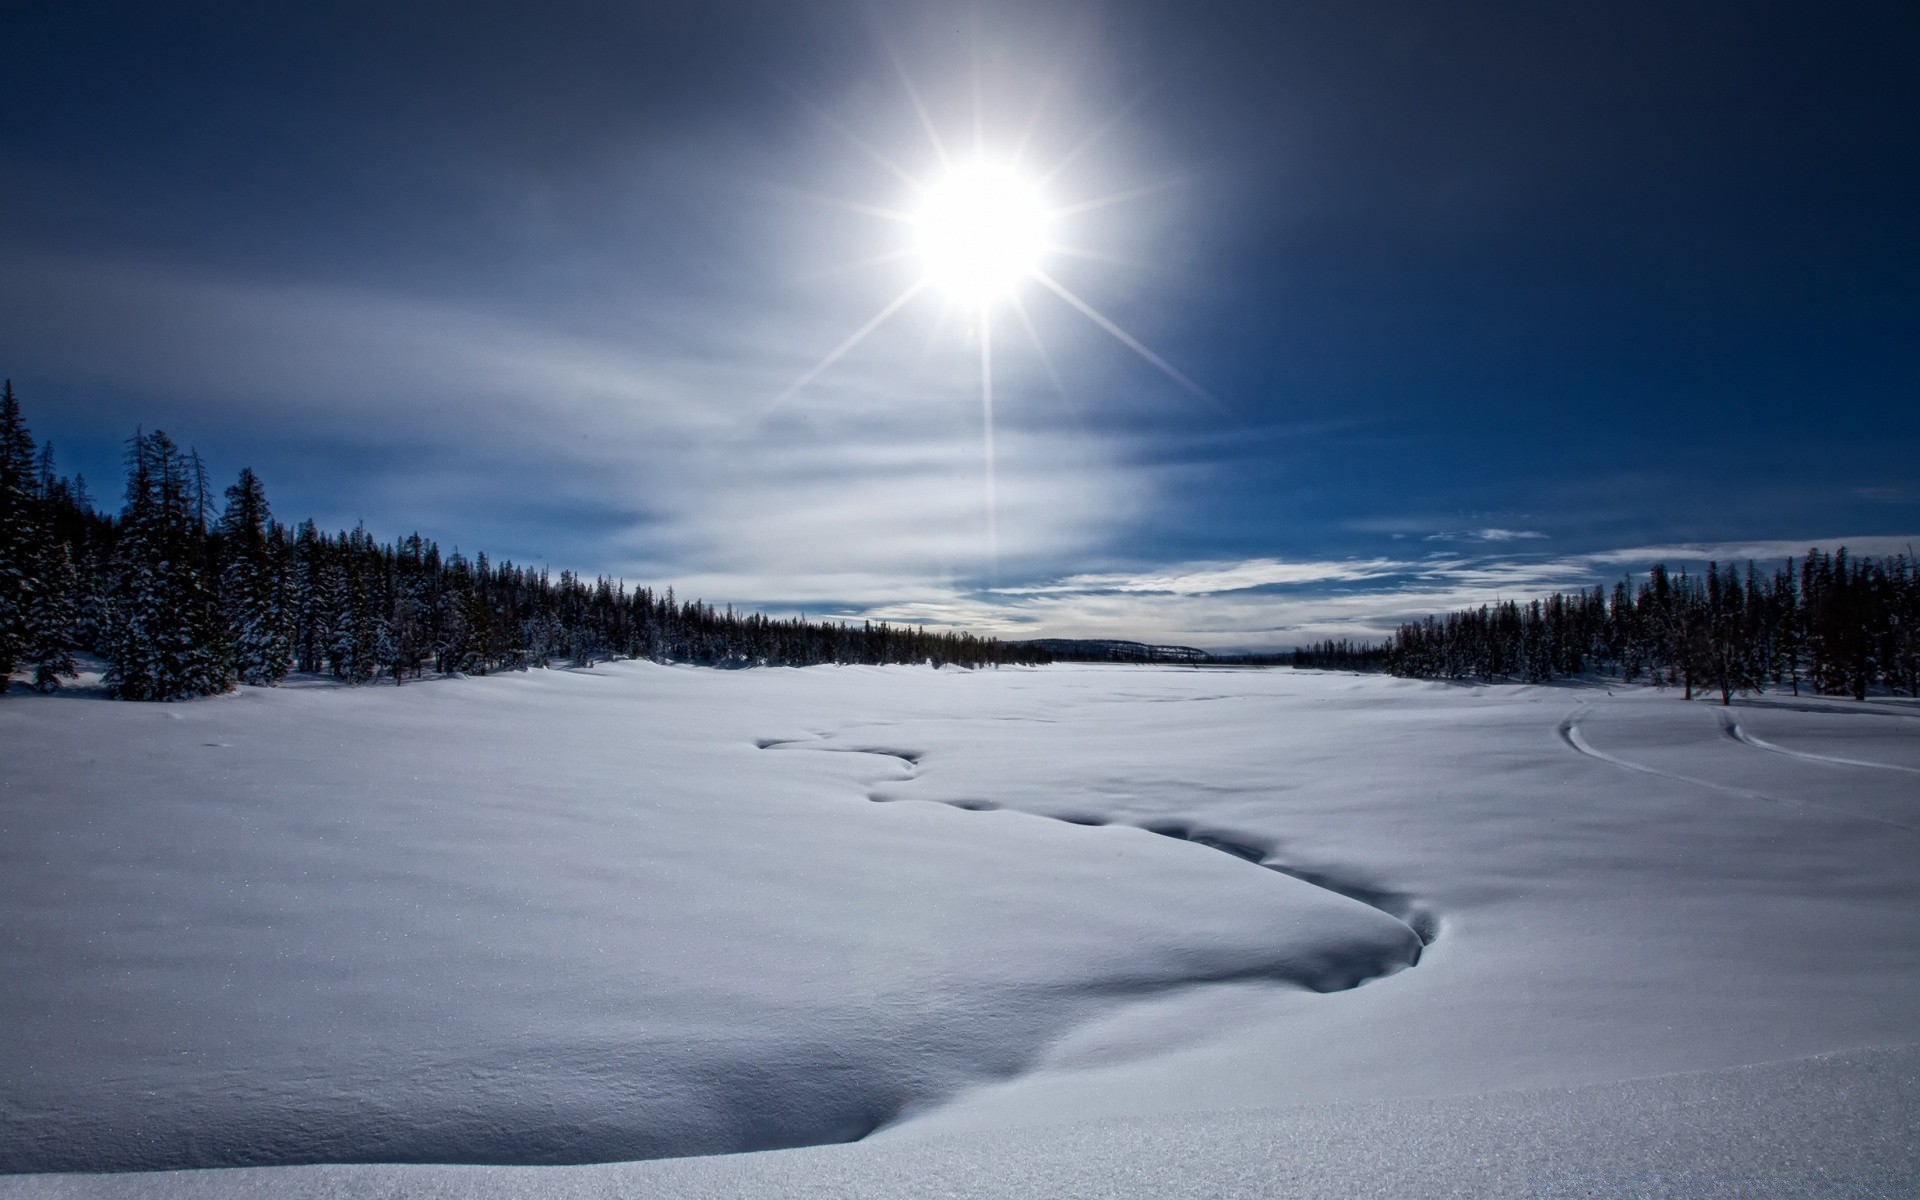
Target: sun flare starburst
(980, 231)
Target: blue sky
(1484, 299)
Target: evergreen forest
(187, 593)
(1833, 623)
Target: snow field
(645, 911)
(557, 918)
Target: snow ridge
(1349, 973)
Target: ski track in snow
(1569, 730)
(1398, 905)
(1851, 708)
(1733, 730)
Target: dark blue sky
(1485, 298)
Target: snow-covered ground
(1074, 930)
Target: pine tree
(166, 640)
(250, 591)
(331, 610)
(1728, 658)
(309, 645)
(1787, 637)
(20, 532)
(53, 610)
(51, 619)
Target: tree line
(1340, 654)
(182, 600)
(1837, 623)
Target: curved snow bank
(1352, 884)
(1252, 848)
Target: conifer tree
(20, 532)
(1728, 657)
(250, 592)
(166, 639)
(51, 616)
(309, 644)
(1903, 626)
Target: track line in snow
(1733, 730)
(1569, 730)
(1849, 708)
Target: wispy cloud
(465, 423)
(1270, 603)
(862, 498)
(1487, 535)
(1696, 554)
(1210, 579)
(1886, 495)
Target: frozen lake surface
(1060, 931)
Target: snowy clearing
(1166, 928)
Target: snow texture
(1130, 930)
(1835, 1126)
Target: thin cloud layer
(1488, 535)
(1268, 604)
(467, 419)
(1213, 579)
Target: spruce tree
(166, 639)
(20, 533)
(51, 617)
(250, 591)
(1730, 651)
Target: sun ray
(1074, 210)
(986, 415)
(1040, 347)
(853, 206)
(1126, 339)
(893, 306)
(1033, 122)
(1087, 143)
(1077, 446)
(919, 108)
(1072, 251)
(865, 147)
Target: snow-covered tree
(21, 532)
(51, 617)
(250, 592)
(166, 639)
(1732, 654)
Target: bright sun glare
(980, 231)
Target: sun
(980, 231)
